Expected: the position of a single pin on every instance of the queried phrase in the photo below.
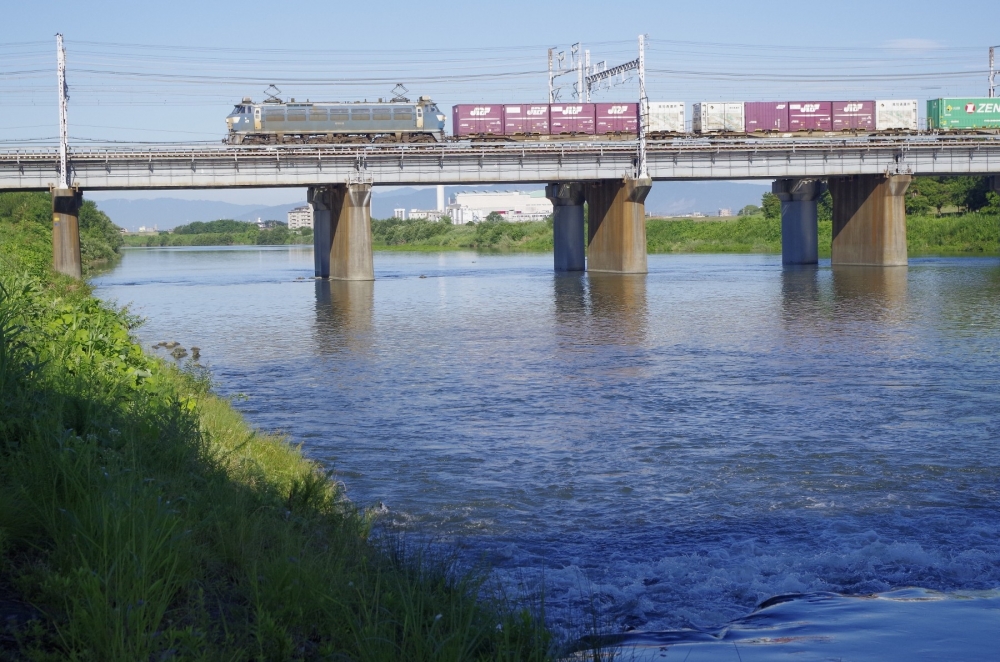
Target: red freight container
(477, 120)
(810, 116)
(526, 119)
(572, 118)
(617, 118)
(848, 115)
(765, 116)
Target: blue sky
(171, 71)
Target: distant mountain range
(666, 198)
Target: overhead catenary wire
(110, 80)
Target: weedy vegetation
(141, 518)
(492, 234)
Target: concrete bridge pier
(567, 225)
(616, 225)
(319, 198)
(66, 231)
(799, 232)
(342, 231)
(869, 220)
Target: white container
(666, 117)
(717, 117)
(895, 114)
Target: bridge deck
(180, 166)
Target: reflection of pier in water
(821, 302)
(344, 314)
(600, 308)
(865, 294)
(801, 295)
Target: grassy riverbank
(26, 222)
(394, 234)
(975, 233)
(279, 236)
(142, 519)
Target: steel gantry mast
(993, 73)
(63, 128)
(638, 65)
(557, 69)
(641, 171)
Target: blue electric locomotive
(277, 122)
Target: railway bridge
(867, 177)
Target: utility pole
(579, 75)
(993, 73)
(63, 130)
(586, 70)
(65, 201)
(643, 109)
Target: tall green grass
(26, 221)
(395, 234)
(141, 518)
(972, 233)
(965, 234)
(745, 234)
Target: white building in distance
(426, 215)
(300, 217)
(514, 206)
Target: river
(671, 448)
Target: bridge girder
(505, 163)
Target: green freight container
(963, 114)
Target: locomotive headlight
(441, 118)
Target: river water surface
(674, 448)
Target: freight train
(274, 121)
(710, 118)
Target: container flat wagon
(477, 120)
(616, 119)
(717, 117)
(963, 114)
(810, 116)
(573, 119)
(896, 115)
(666, 119)
(765, 116)
(854, 116)
(526, 120)
(540, 121)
